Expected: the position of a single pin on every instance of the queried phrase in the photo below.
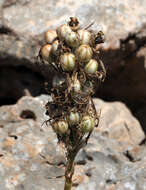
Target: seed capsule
(67, 61)
(74, 118)
(46, 52)
(84, 36)
(72, 39)
(84, 53)
(50, 36)
(91, 67)
(60, 127)
(55, 47)
(87, 124)
(58, 81)
(63, 31)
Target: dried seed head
(67, 61)
(72, 52)
(60, 127)
(46, 52)
(72, 39)
(50, 36)
(91, 67)
(55, 47)
(87, 124)
(58, 81)
(84, 36)
(63, 30)
(74, 118)
(84, 53)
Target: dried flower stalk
(73, 53)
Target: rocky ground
(115, 158)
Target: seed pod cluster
(70, 47)
(73, 53)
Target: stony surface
(118, 123)
(31, 159)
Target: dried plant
(73, 53)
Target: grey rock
(30, 157)
(119, 124)
(108, 169)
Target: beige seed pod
(91, 67)
(84, 36)
(60, 127)
(74, 118)
(84, 53)
(45, 52)
(63, 31)
(55, 47)
(72, 39)
(87, 124)
(67, 61)
(50, 36)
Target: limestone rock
(118, 123)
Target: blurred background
(22, 27)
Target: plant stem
(69, 172)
